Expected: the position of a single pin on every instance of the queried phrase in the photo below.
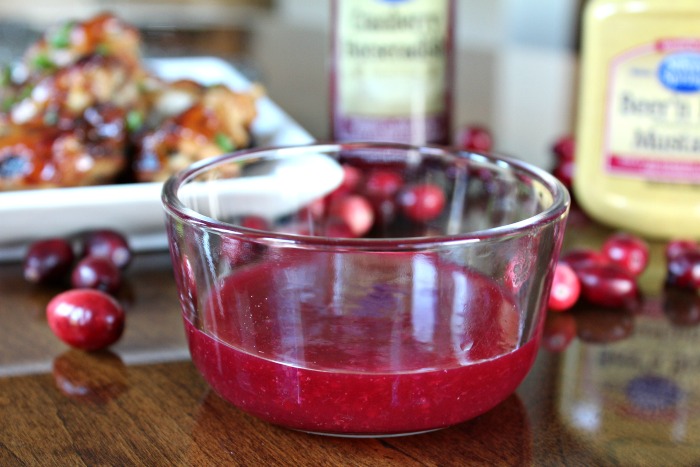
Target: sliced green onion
(102, 49)
(134, 120)
(43, 62)
(224, 142)
(25, 92)
(60, 39)
(7, 104)
(6, 75)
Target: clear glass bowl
(433, 317)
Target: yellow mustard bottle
(638, 134)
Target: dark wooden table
(625, 392)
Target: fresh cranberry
(422, 202)
(355, 211)
(94, 272)
(475, 138)
(48, 261)
(108, 244)
(383, 184)
(601, 325)
(565, 148)
(678, 247)
(564, 172)
(87, 319)
(566, 288)
(337, 228)
(351, 180)
(628, 251)
(580, 257)
(607, 285)
(385, 211)
(684, 269)
(559, 331)
(255, 222)
(314, 211)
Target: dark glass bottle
(392, 70)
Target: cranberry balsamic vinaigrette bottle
(392, 70)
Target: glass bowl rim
(176, 208)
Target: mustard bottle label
(392, 71)
(653, 112)
(633, 405)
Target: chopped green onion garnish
(25, 92)
(134, 120)
(61, 38)
(6, 75)
(43, 62)
(102, 49)
(224, 142)
(7, 104)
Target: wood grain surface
(600, 402)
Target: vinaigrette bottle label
(392, 70)
(653, 112)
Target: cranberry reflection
(91, 377)
(681, 306)
(597, 324)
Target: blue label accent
(681, 72)
(653, 393)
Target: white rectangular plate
(133, 209)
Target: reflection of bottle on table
(632, 405)
(391, 77)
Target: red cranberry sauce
(385, 358)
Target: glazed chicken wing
(218, 121)
(89, 152)
(85, 111)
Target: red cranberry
(564, 171)
(48, 261)
(351, 180)
(383, 184)
(108, 244)
(313, 211)
(355, 211)
(678, 247)
(628, 251)
(607, 285)
(85, 318)
(336, 228)
(422, 202)
(94, 272)
(255, 222)
(566, 288)
(565, 148)
(580, 257)
(475, 138)
(559, 331)
(684, 269)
